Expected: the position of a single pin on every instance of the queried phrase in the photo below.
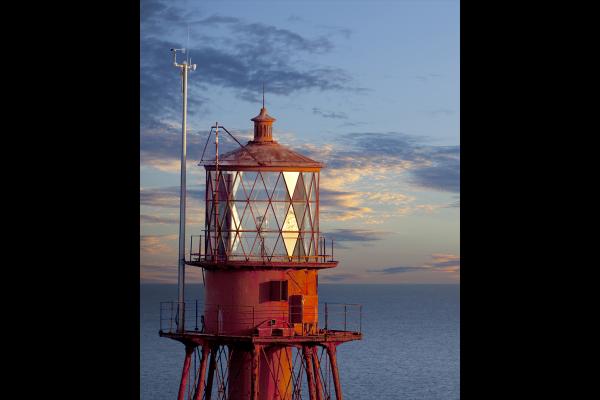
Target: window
(279, 291)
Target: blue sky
(369, 87)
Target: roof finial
(263, 95)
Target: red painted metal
(212, 366)
(331, 352)
(317, 369)
(189, 350)
(254, 374)
(310, 378)
(250, 331)
(202, 374)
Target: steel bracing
(296, 372)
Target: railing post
(196, 314)
(171, 319)
(326, 316)
(332, 249)
(360, 319)
(345, 314)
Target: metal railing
(343, 317)
(228, 319)
(201, 250)
(169, 311)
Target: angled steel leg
(202, 373)
(254, 372)
(307, 351)
(211, 371)
(331, 352)
(317, 368)
(189, 350)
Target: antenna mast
(185, 67)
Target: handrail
(337, 316)
(205, 252)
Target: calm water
(410, 348)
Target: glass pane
(239, 193)
(260, 191)
(259, 208)
(270, 179)
(280, 209)
(248, 241)
(308, 181)
(299, 210)
(236, 249)
(299, 192)
(235, 215)
(290, 180)
(247, 222)
(280, 193)
(280, 250)
(290, 231)
(248, 179)
(270, 223)
(269, 240)
(299, 250)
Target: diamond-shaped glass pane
(248, 181)
(260, 192)
(248, 241)
(270, 179)
(239, 192)
(259, 209)
(299, 191)
(290, 231)
(280, 193)
(280, 250)
(290, 181)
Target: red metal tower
(257, 334)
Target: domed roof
(263, 151)
(264, 154)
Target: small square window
(279, 291)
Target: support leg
(211, 371)
(317, 368)
(307, 352)
(189, 350)
(202, 373)
(331, 352)
(254, 372)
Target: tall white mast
(185, 68)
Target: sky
(370, 88)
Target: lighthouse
(260, 332)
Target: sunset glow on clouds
(388, 131)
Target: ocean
(410, 349)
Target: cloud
(240, 56)
(231, 53)
(440, 262)
(363, 154)
(355, 235)
(156, 244)
(166, 196)
(151, 219)
(325, 277)
(167, 274)
(398, 270)
(329, 114)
